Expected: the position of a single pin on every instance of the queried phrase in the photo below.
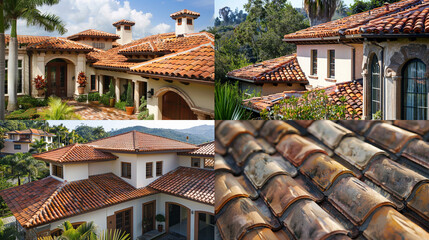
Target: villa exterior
(20, 141)
(121, 182)
(173, 71)
(384, 49)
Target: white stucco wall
(184, 28)
(75, 171)
(343, 63)
(96, 168)
(202, 95)
(126, 35)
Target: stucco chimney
(124, 30)
(386, 5)
(184, 21)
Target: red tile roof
(135, 141)
(352, 92)
(31, 131)
(403, 17)
(47, 200)
(324, 179)
(27, 40)
(193, 183)
(282, 69)
(204, 150)
(60, 44)
(124, 22)
(75, 153)
(184, 12)
(92, 33)
(196, 63)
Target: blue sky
(151, 16)
(239, 4)
(117, 124)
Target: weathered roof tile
(296, 148)
(329, 132)
(390, 137)
(275, 129)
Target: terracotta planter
(112, 102)
(95, 102)
(41, 92)
(81, 90)
(130, 110)
(160, 227)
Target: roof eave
(180, 79)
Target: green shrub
(228, 100)
(95, 96)
(111, 92)
(105, 99)
(26, 102)
(123, 96)
(59, 110)
(81, 98)
(130, 102)
(144, 112)
(120, 105)
(23, 114)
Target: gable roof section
(204, 150)
(47, 200)
(75, 153)
(362, 179)
(196, 63)
(92, 33)
(192, 183)
(135, 141)
(400, 18)
(283, 69)
(352, 92)
(60, 44)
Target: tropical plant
(2, 62)
(320, 11)
(228, 99)
(25, 10)
(111, 92)
(144, 111)
(38, 146)
(4, 184)
(40, 82)
(8, 233)
(59, 110)
(81, 79)
(19, 165)
(130, 102)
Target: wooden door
(174, 107)
(148, 217)
(124, 221)
(57, 79)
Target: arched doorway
(178, 219)
(174, 107)
(56, 76)
(415, 91)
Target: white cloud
(80, 15)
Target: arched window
(375, 86)
(415, 91)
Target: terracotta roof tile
(135, 141)
(31, 131)
(47, 200)
(403, 17)
(184, 12)
(282, 69)
(124, 22)
(205, 150)
(352, 92)
(27, 40)
(368, 191)
(92, 33)
(196, 63)
(60, 44)
(193, 183)
(75, 153)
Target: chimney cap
(185, 13)
(124, 22)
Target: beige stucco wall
(343, 63)
(90, 42)
(9, 147)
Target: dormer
(96, 38)
(124, 30)
(184, 21)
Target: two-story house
(120, 182)
(384, 49)
(173, 71)
(20, 141)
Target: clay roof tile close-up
(324, 180)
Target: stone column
(117, 89)
(100, 84)
(80, 67)
(40, 70)
(136, 95)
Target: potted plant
(112, 94)
(81, 80)
(160, 218)
(129, 103)
(40, 83)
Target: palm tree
(2, 62)
(26, 10)
(59, 110)
(38, 146)
(14, 168)
(320, 11)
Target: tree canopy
(364, 5)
